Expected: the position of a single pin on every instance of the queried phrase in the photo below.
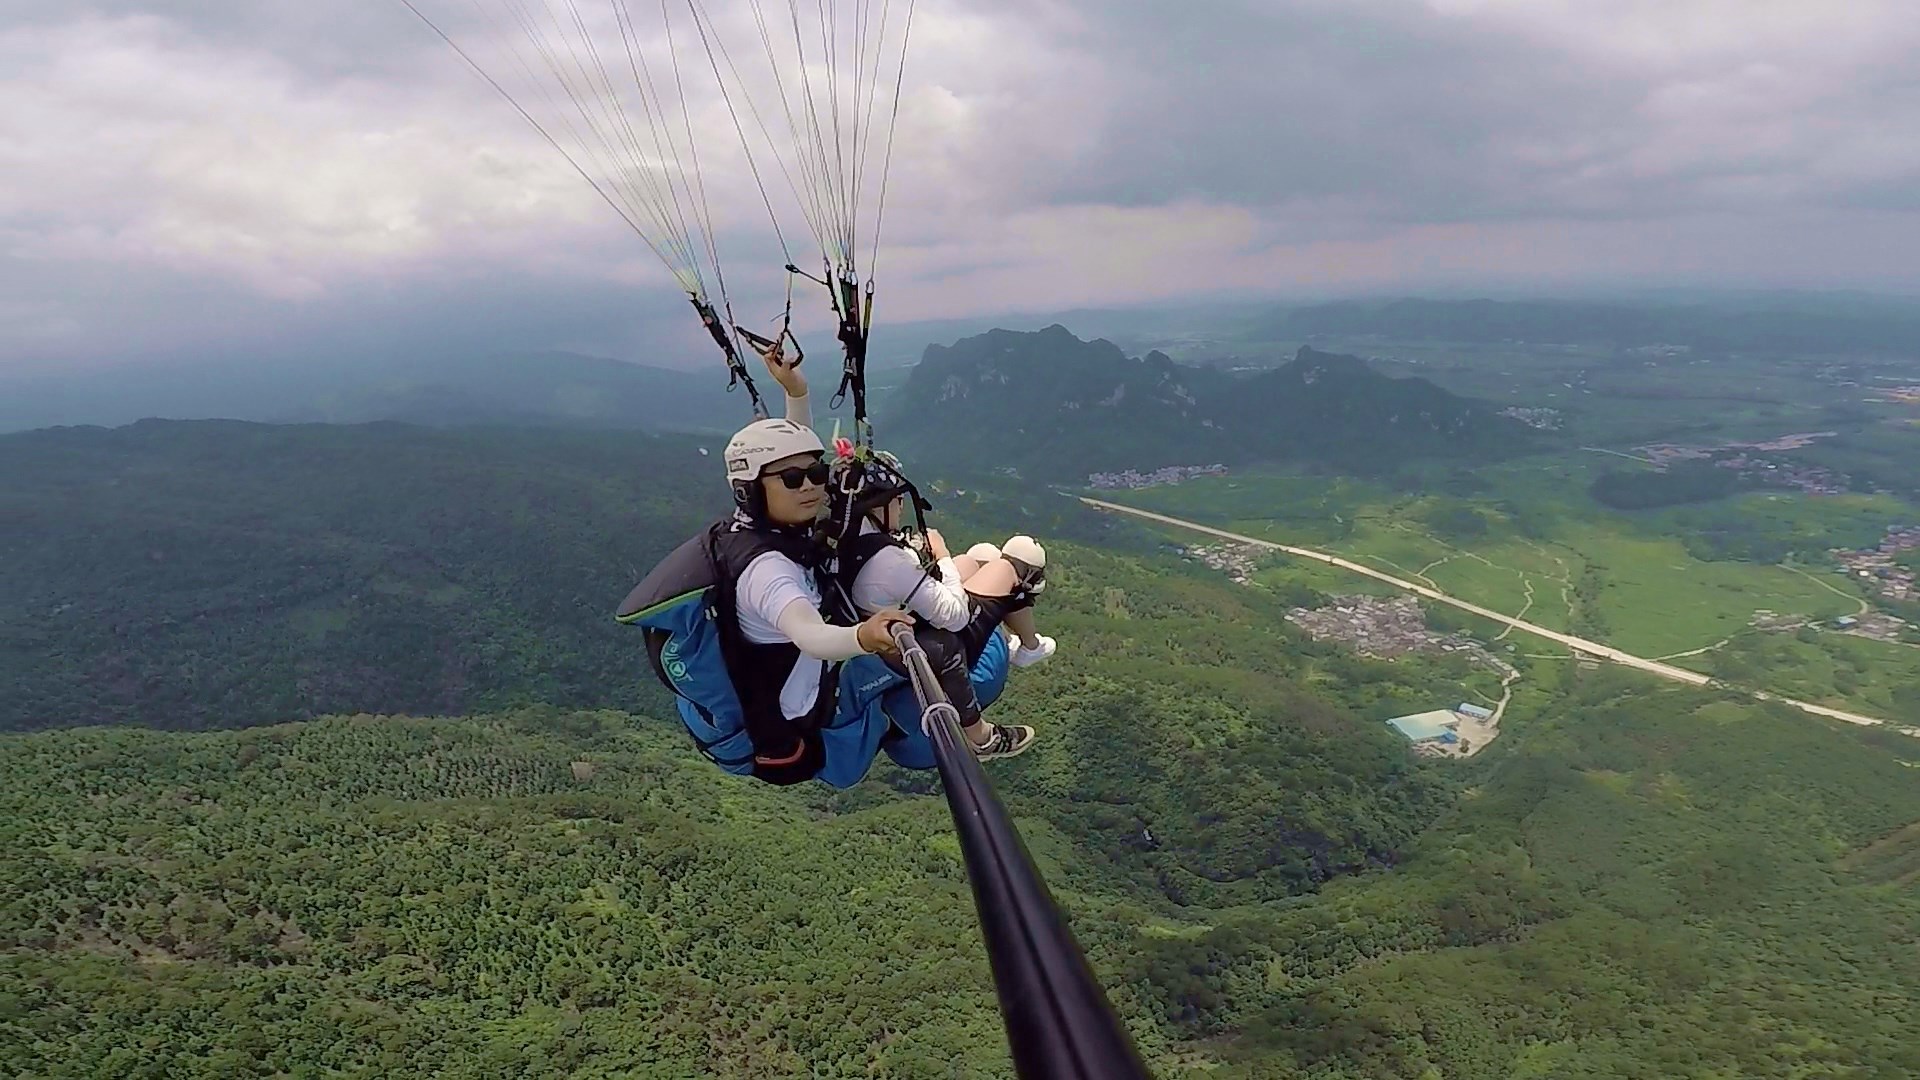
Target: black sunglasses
(794, 475)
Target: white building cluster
(1171, 474)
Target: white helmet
(1027, 550)
(763, 442)
(1030, 559)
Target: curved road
(1578, 645)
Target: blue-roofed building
(1478, 712)
(1426, 726)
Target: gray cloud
(328, 41)
(1378, 114)
(186, 176)
(1382, 109)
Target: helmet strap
(750, 496)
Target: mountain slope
(216, 573)
(1327, 407)
(1060, 407)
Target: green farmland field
(1530, 543)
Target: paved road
(1578, 645)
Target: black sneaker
(1007, 740)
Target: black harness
(759, 672)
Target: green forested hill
(1657, 884)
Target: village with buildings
(1877, 625)
(1173, 474)
(1775, 622)
(1375, 626)
(1384, 628)
(1811, 479)
(1746, 458)
(1877, 566)
(1543, 419)
(1663, 453)
(1237, 561)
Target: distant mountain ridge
(1054, 405)
(541, 389)
(549, 389)
(1802, 324)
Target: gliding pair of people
(754, 593)
(957, 605)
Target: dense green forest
(1659, 883)
(216, 574)
(516, 524)
(1677, 485)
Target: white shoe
(1023, 656)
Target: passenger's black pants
(988, 613)
(947, 655)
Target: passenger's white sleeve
(800, 410)
(815, 637)
(893, 577)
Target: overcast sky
(177, 179)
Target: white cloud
(1754, 103)
(130, 142)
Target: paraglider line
(537, 127)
